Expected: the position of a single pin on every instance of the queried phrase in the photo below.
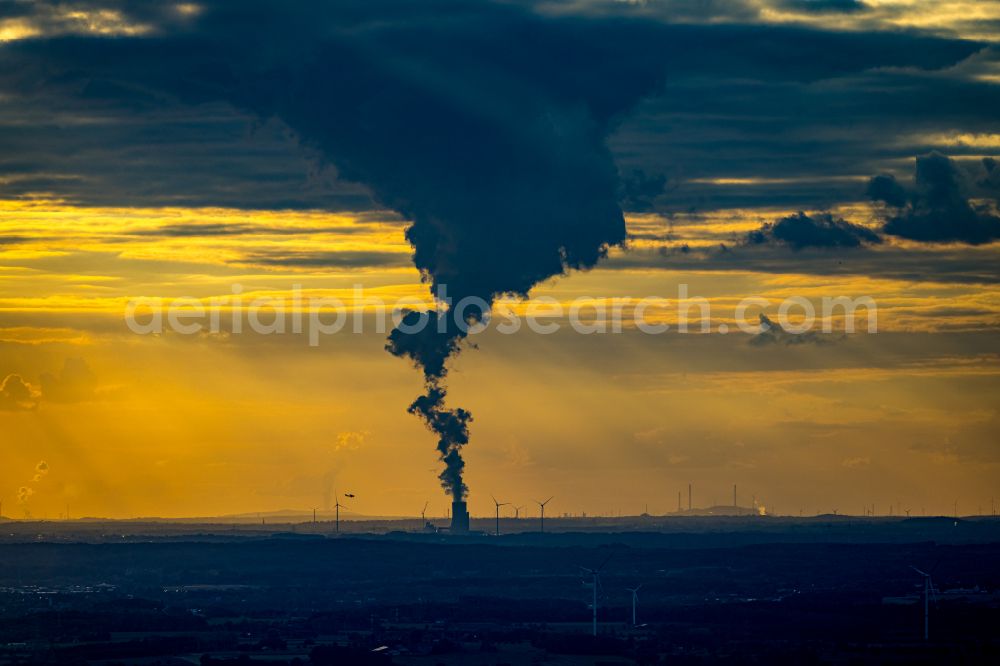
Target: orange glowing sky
(213, 424)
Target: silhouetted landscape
(765, 590)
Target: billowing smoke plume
(450, 425)
(420, 339)
(496, 156)
(482, 123)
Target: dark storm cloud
(793, 138)
(760, 98)
(989, 180)
(937, 208)
(174, 155)
(884, 188)
(687, 11)
(817, 230)
(640, 191)
(937, 264)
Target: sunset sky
(756, 149)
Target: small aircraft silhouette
(351, 495)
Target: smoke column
(484, 124)
(499, 162)
(501, 166)
(429, 349)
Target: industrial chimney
(459, 518)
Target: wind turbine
(928, 591)
(635, 598)
(517, 512)
(423, 516)
(542, 506)
(314, 515)
(499, 504)
(595, 582)
(337, 507)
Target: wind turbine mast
(595, 582)
(635, 599)
(928, 591)
(337, 507)
(542, 506)
(498, 505)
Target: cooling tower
(459, 518)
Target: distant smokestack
(459, 518)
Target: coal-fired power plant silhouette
(459, 517)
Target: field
(737, 590)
